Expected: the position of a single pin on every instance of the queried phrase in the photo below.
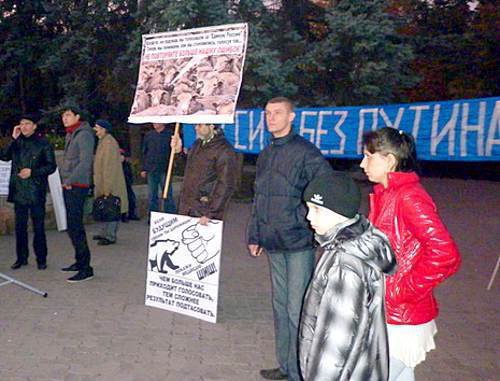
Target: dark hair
(399, 143)
(286, 100)
(73, 108)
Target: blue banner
(460, 130)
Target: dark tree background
(345, 52)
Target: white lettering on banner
(253, 132)
(361, 130)
(336, 128)
(449, 129)
(237, 144)
(303, 130)
(319, 130)
(466, 127)
(418, 117)
(397, 121)
(340, 133)
(493, 130)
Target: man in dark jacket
(155, 154)
(279, 227)
(343, 335)
(209, 176)
(33, 161)
(76, 177)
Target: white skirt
(410, 343)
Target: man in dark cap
(33, 161)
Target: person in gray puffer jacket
(342, 330)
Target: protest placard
(190, 76)
(56, 193)
(4, 177)
(183, 265)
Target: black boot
(19, 263)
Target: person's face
(99, 131)
(27, 127)
(279, 119)
(204, 131)
(322, 219)
(377, 166)
(159, 127)
(69, 118)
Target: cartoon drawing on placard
(161, 256)
(199, 239)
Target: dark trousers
(132, 202)
(37, 213)
(74, 199)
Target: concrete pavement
(101, 330)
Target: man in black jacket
(155, 153)
(279, 227)
(33, 161)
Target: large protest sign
(190, 76)
(459, 130)
(5, 167)
(183, 265)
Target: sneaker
(18, 264)
(73, 267)
(273, 374)
(41, 266)
(82, 275)
(105, 242)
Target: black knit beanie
(336, 191)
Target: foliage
(57, 141)
(352, 52)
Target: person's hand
(24, 173)
(255, 250)
(144, 174)
(67, 187)
(176, 143)
(204, 220)
(16, 132)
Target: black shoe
(73, 267)
(18, 264)
(124, 218)
(82, 275)
(273, 374)
(105, 242)
(41, 266)
(97, 237)
(134, 218)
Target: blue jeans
(109, 230)
(290, 275)
(156, 182)
(398, 371)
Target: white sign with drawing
(183, 265)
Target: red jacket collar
(397, 179)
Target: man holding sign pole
(279, 227)
(209, 176)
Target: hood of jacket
(364, 241)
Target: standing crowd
(364, 310)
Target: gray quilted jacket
(342, 330)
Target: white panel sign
(183, 265)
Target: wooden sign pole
(170, 165)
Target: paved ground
(101, 330)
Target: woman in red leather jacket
(425, 252)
